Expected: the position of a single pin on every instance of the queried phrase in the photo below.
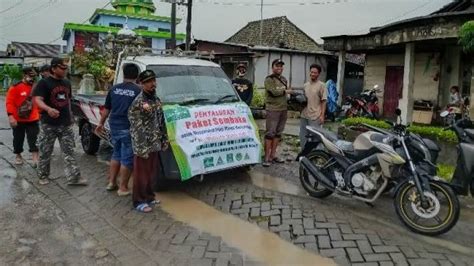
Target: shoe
(77, 182)
(43, 181)
(266, 164)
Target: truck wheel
(90, 141)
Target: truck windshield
(193, 84)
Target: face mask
(30, 80)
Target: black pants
(31, 130)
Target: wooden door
(392, 90)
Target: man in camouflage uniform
(148, 133)
(276, 89)
(53, 96)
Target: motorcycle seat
(345, 146)
(331, 136)
(469, 133)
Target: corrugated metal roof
(35, 49)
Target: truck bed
(95, 99)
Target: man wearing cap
(23, 116)
(243, 86)
(53, 96)
(45, 71)
(118, 100)
(147, 128)
(276, 90)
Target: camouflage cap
(146, 75)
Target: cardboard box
(422, 117)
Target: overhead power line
(60, 36)
(397, 17)
(11, 7)
(30, 13)
(301, 3)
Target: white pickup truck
(210, 129)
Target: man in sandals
(53, 96)
(23, 116)
(276, 91)
(147, 127)
(117, 103)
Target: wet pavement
(234, 218)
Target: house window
(164, 30)
(116, 25)
(142, 28)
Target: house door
(392, 90)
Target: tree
(10, 74)
(466, 37)
(95, 63)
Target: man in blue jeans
(117, 103)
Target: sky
(42, 21)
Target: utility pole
(261, 22)
(188, 25)
(173, 24)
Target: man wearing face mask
(23, 116)
(147, 128)
(243, 86)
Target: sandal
(43, 181)
(123, 193)
(18, 161)
(77, 182)
(144, 208)
(278, 160)
(266, 164)
(111, 187)
(155, 202)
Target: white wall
(426, 68)
(294, 63)
(261, 69)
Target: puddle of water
(275, 183)
(7, 177)
(254, 241)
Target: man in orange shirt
(23, 116)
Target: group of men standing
(43, 112)
(277, 91)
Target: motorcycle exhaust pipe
(314, 171)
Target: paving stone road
(123, 236)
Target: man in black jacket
(243, 86)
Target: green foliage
(445, 171)
(93, 62)
(437, 133)
(258, 100)
(355, 121)
(13, 73)
(466, 36)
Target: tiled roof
(277, 32)
(35, 49)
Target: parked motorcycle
(463, 178)
(365, 169)
(365, 104)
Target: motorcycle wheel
(437, 218)
(311, 184)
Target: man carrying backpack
(23, 116)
